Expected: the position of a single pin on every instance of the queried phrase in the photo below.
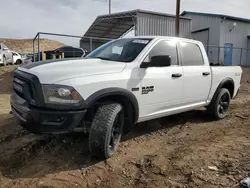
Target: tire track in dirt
(18, 151)
(12, 136)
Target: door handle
(176, 75)
(206, 73)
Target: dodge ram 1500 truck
(119, 84)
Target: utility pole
(109, 6)
(177, 18)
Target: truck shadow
(194, 116)
(26, 155)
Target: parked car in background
(6, 55)
(69, 52)
(18, 58)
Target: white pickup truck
(121, 83)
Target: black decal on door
(135, 89)
(147, 89)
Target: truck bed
(220, 73)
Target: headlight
(58, 94)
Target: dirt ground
(185, 150)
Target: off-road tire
(102, 130)
(216, 108)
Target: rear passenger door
(197, 75)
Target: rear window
(191, 54)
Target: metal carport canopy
(112, 26)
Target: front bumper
(42, 120)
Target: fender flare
(226, 80)
(111, 92)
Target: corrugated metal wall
(152, 24)
(237, 37)
(219, 34)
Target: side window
(65, 49)
(165, 48)
(191, 54)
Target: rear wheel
(106, 130)
(219, 106)
(18, 62)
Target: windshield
(123, 50)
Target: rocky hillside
(25, 45)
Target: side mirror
(158, 61)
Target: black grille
(20, 94)
(28, 87)
(21, 87)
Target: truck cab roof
(165, 37)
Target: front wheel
(4, 61)
(219, 106)
(106, 130)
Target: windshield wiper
(104, 58)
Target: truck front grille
(28, 87)
(20, 86)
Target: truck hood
(53, 71)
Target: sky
(24, 18)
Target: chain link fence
(70, 46)
(218, 55)
(228, 56)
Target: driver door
(161, 86)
